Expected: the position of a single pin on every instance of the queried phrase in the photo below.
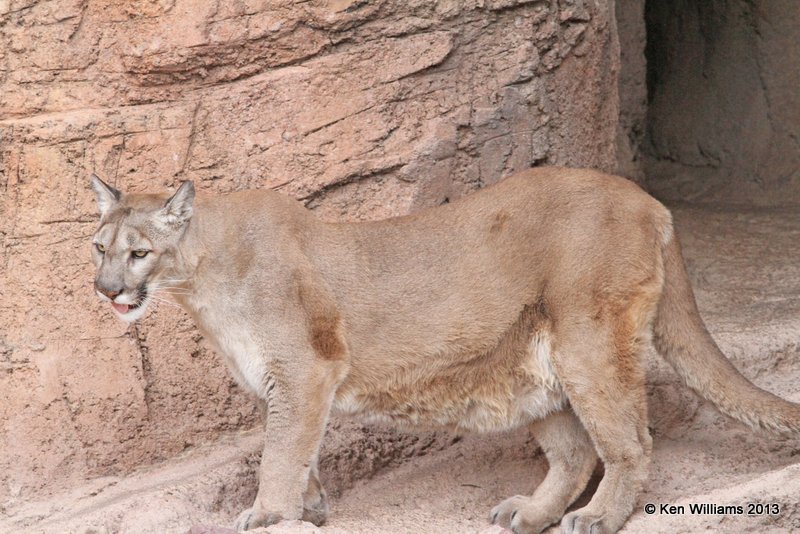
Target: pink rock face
(362, 110)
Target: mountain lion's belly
(489, 393)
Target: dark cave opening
(723, 105)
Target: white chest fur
(242, 355)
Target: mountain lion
(526, 303)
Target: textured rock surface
(724, 115)
(361, 109)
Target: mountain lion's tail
(682, 339)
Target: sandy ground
(746, 270)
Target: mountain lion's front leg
(298, 404)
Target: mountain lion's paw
(316, 512)
(252, 518)
(504, 512)
(582, 523)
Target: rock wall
(724, 111)
(360, 109)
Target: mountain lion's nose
(110, 293)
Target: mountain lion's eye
(140, 253)
(100, 248)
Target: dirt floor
(746, 270)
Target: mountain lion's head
(135, 246)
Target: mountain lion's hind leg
(571, 458)
(600, 368)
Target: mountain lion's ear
(107, 196)
(178, 209)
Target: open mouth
(122, 309)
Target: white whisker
(169, 288)
(157, 301)
(161, 294)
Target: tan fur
(527, 303)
